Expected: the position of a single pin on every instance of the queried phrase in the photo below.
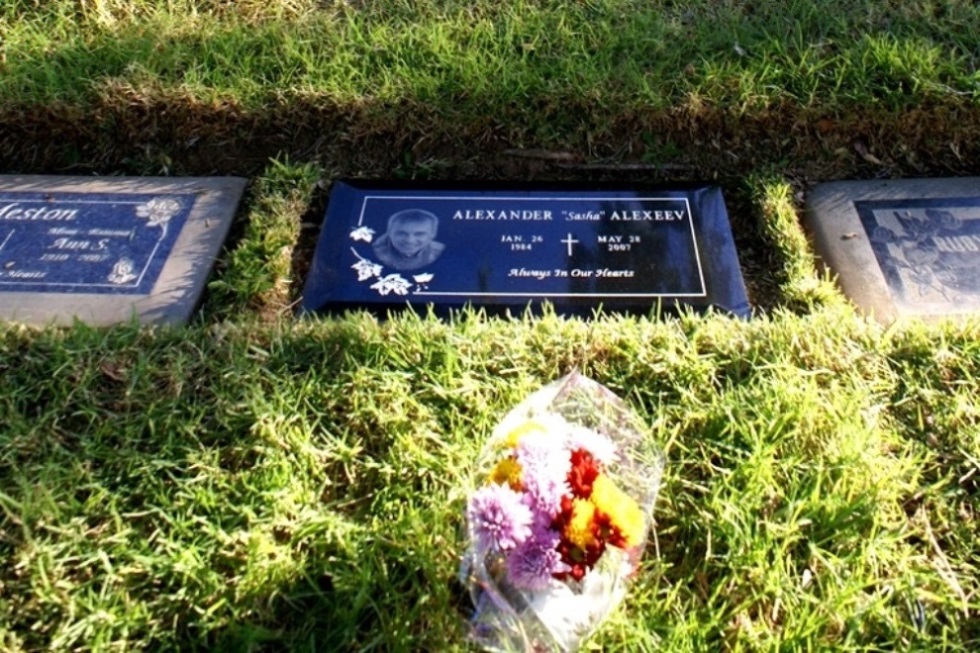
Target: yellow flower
(507, 471)
(524, 429)
(623, 512)
(579, 531)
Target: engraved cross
(570, 241)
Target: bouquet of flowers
(559, 517)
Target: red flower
(583, 473)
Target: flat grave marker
(902, 248)
(105, 249)
(387, 246)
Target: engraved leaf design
(366, 269)
(947, 277)
(393, 283)
(916, 228)
(365, 234)
(921, 277)
(923, 253)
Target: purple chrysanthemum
(540, 450)
(543, 493)
(531, 565)
(499, 520)
(544, 461)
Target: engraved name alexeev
(626, 216)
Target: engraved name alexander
(590, 246)
(576, 247)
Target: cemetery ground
(256, 481)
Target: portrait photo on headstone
(385, 246)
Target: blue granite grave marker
(928, 248)
(87, 243)
(106, 250)
(901, 249)
(387, 246)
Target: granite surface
(106, 250)
(902, 248)
(505, 248)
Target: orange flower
(581, 528)
(508, 471)
(623, 513)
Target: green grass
(257, 274)
(171, 86)
(801, 51)
(531, 72)
(833, 53)
(299, 484)
(259, 482)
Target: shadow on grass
(133, 112)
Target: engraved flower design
(122, 272)
(883, 235)
(363, 233)
(393, 283)
(944, 219)
(423, 278)
(158, 211)
(366, 269)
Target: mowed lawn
(257, 481)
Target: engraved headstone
(107, 249)
(902, 248)
(387, 246)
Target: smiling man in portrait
(409, 243)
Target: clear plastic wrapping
(558, 517)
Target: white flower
(366, 269)
(158, 211)
(600, 446)
(392, 283)
(423, 278)
(363, 233)
(122, 272)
